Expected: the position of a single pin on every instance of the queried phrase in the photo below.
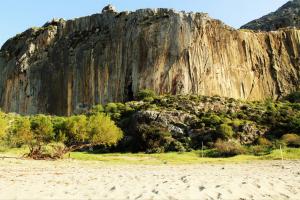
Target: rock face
(65, 67)
(286, 16)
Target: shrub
(53, 150)
(294, 123)
(263, 142)
(260, 150)
(236, 123)
(42, 128)
(35, 132)
(148, 99)
(76, 129)
(111, 108)
(174, 145)
(49, 137)
(228, 149)
(293, 97)
(116, 110)
(226, 120)
(96, 109)
(278, 143)
(145, 94)
(291, 140)
(21, 133)
(152, 137)
(85, 132)
(59, 128)
(212, 120)
(225, 131)
(103, 131)
(3, 126)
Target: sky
(18, 15)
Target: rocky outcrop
(286, 16)
(65, 67)
(193, 120)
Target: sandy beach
(69, 179)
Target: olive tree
(85, 132)
(42, 132)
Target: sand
(27, 179)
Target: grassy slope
(168, 158)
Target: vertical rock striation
(67, 66)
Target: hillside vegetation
(156, 124)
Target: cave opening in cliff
(130, 96)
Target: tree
(22, 134)
(59, 128)
(42, 128)
(103, 131)
(42, 134)
(85, 132)
(76, 130)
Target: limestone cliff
(67, 66)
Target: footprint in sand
(184, 179)
(155, 191)
(113, 188)
(138, 197)
(201, 188)
(285, 196)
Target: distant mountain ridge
(286, 16)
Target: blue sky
(18, 15)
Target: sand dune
(26, 179)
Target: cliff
(65, 67)
(286, 16)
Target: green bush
(96, 130)
(228, 149)
(76, 130)
(150, 138)
(174, 146)
(278, 144)
(59, 128)
(291, 140)
(145, 94)
(263, 142)
(52, 137)
(212, 120)
(42, 128)
(96, 109)
(236, 123)
(260, 150)
(111, 108)
(35, 132)
(21, 133)
(293, 97)
(103, 131)
(53, 150)
(225, 131)
(3, 126)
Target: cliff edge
(65, 67)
